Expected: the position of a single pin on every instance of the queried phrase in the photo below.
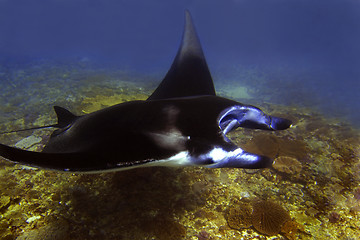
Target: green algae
(4, 202)
(172, 203)
(92, 104)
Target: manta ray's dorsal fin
(65, 117)
(189, 74)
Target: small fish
(182, 123)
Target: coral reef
(290, 229)
(293, 148)
(287, 164)
(268, 217)
(272, 146)
(56, 230)
(265, 216)
(239, 215)
(263, 144)
(4, 202)
(92, 104)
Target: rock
(263, 144)
(237, 92)
(238, 216)
(287, 164)
(293, 148)
(58, 230)
(4, 202)
(28, 142)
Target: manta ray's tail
(27, 129)
(52, 161)
(64, 116)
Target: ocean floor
(312, 191)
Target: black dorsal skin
(137, 133)
(189, 74)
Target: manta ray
(182, 123)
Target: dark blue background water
(316, 43)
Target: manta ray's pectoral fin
(189, 74)
(250, 117)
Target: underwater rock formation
(4, 202)
(293, 148)
(58, 230)
(273, 146)
(263, 144)
(290, 229)
(287, 164)
(28, 142)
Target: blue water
(308, 48)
